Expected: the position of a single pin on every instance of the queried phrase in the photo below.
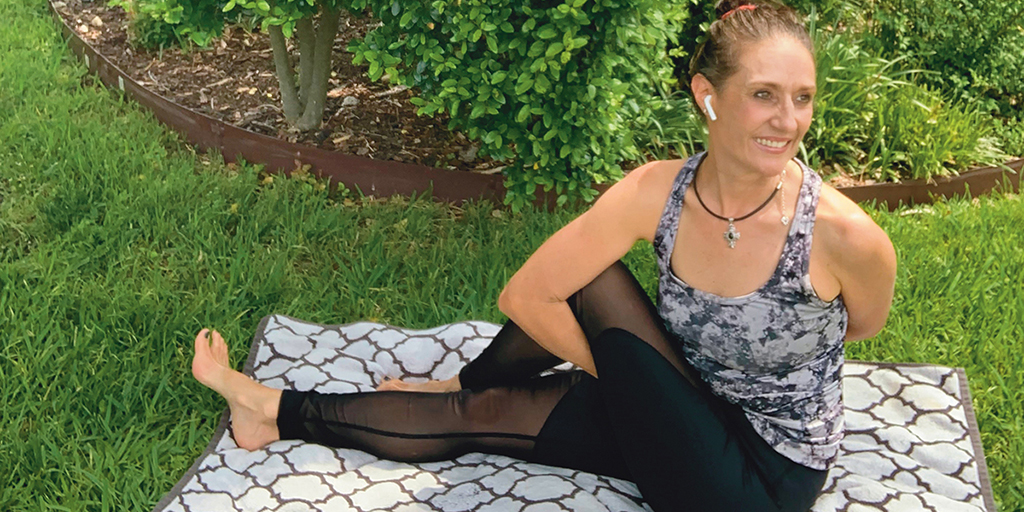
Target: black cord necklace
(731, 235)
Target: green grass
(117, 244)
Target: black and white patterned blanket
(911, 444)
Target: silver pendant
(731, 235)
(785, 220)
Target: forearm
(553, 326)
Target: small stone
(363, 151)
(96, 21)
(83, 28)
(350, 101)
(468, 154)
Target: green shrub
(975, 47)
(919, 135)
(156, 24)
(547, 87)
(1011, 134)
(872, 120)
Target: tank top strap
(796, 254)
(794, 263)
(668, 225)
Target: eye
(805, 98)
(763, 95)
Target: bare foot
(253, 406)
(431, 386)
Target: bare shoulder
(651, 185)
(847, 233)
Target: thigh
(684, 448)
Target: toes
(201, 339)
(219, 348)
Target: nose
(785, 118)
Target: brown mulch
(234, 81)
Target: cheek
(753, 115)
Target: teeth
(770, 143)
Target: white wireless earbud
(710, 111)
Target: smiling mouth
(771, 144)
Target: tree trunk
(285, 77)
(307, 48)
(316, 96)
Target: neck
(725, 185)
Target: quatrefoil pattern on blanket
(911, 444)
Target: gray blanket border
(979, 451)
(250, 362)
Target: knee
(616, 345)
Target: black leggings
(648, 418)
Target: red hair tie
(746, 7)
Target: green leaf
(492, 44)
(524, 114)
(553, 49)
(406, 19)
(524, 85)
(547, 32)
(230, 5)
(498, 77)
(542, 84)
(263, 5)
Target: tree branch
(307, 50)
(285, 78)
(317, 96)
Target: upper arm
(864, 263)
(590, 243)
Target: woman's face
(765, 107)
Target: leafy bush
(919, 136)
(1011, 133)
(159, 24)
(546, 87)
(975, 47)
(870, 120)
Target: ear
(700, 86)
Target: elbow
(863, 332)
(505, 301)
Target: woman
(725, 396)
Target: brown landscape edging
(385, 177)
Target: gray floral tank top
(777, 352)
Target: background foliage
(975, 47)
(156, 24)
(565, 93)
(548, 88)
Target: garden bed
(377, 143)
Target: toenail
(207, 334)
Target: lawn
(118, 243)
